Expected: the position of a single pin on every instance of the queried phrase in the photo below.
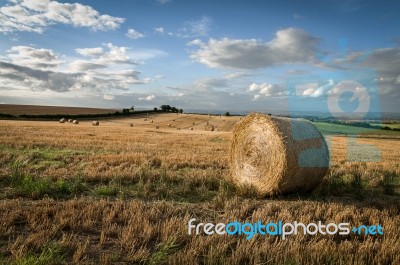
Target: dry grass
(117, 194)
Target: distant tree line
(73, 116)
(168, 108)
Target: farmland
(124, 194)
(38, 110)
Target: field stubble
(116, 194)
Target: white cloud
(134, 34)
(385, 63)
(256, 97)
(34, 79)
(108, 69)
(90, 51)
(81, 66)
(196, 28)
(37, 58)
(313, 90)
(114, 54)
(108, 97)
(268, 90)
(36, 16)
(148, 98)
(160, 30)
(289, 46)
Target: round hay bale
(194, 123)
(70, 120)
(151, 121)
(191, 129)
(178, 128)
(95, 123)
(157, 127)
(169, 125)
(62, 120)
(209, 127)
(75, 122)
(277, 155)
(131, 124)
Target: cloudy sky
(212, 55)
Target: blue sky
(209, 55)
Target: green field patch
(340, 129)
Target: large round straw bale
(70, 120)
(277, 155)
(62, 120)
(209, 127)
(157, 127)
(75, 122)
(95, 123)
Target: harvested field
(121, 194)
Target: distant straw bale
(209, 127)
(95, 123)
(63, 120)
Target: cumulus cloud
(134, 34)
(36, 16)
(37, 58)
(385, 62)
(108, 97)
(81, 66)
(39, 79)
(160, 30)
(114, 54)
(290, 45)
(148, 98)
(313, 90)
(98, 51)
(268, 90)
(99, 69)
